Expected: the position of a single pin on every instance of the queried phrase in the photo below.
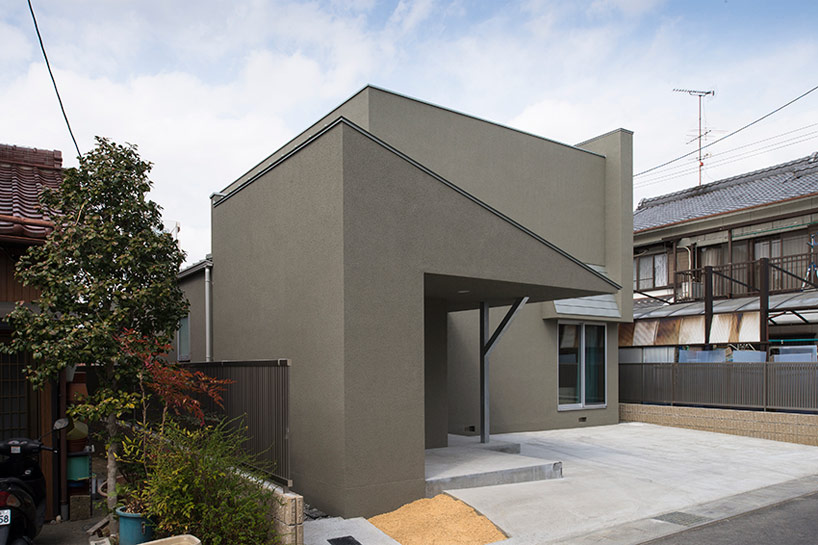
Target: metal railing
(784, 276)
(782, 386)
(259, 393)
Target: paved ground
(65, 533)
(792, 522)
(623, 485)
(629, 472)
(629, 483)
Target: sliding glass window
(581, 365)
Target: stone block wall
(789, 427)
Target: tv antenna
(699, 94)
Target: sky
(208, 89)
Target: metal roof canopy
(779, 303)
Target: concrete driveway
(632, 482)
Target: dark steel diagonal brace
(486, 346)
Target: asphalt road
(792, 522)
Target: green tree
(106, 269)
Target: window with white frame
(183, 340)
(582, 370)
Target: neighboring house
(369, 249)
(707, 253)
(192, 342)
(24, 172)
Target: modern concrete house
(369, 250)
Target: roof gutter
(208, 312)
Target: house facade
(24, 172)
(728, 267)
(370, 249)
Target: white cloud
(14, 46)
(409, 14)
(207, 93)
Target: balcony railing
(744, 279)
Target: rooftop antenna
(699, 94)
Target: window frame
(582, 405)
(637, 260)
(179, 355)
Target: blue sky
(207, 89)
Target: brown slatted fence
(781, 386)
(260, 394)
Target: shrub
(198, 481)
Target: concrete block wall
(778, 426)
(288, 516)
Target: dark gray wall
(279, 292)
(523, 376)
(400, 223)
(435, 373)
(323, 261)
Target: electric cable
(765, 116)
(725, 161)
(681, 170)
(50, 73)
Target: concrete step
(453, 468)
(319, 532)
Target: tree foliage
(106, 269)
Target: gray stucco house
(363, 249)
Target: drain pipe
(208, 312)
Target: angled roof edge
(296, 137)
(196, 267)
(710, 187)
(433, 105)
(344, 121)
(725, 213)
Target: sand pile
(441, 520)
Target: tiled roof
(773, 184)
(24, 172)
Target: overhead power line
(725, 137)
(724, 161)
(766, 143)
(50, 73)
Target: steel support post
(708, 304)
(486, 346)
(764, 303)
(484, 373)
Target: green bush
(198, 482)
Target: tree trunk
(112, 448)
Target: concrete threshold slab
(454, 468)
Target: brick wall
(790, 427)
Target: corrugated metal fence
(772, 385)
(260, 392)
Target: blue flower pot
(134, 528)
